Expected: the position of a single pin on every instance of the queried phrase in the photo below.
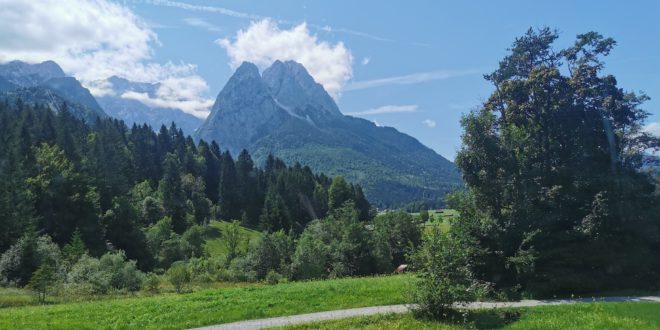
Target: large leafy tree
(551, 159)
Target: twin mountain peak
(283, 112)
(252, 106)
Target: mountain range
(46, 84)
(282, 111)
(286, 113)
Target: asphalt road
(399, 309)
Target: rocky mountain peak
(246, 105)
(292, 86)
(29, 75)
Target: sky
(415, 66)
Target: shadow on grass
(478, 319)
(213, 232)
(492, 319)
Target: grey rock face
(294, 88)
(244, 111)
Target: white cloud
(328, 28)
(408, 79)
(244, 15)
(366, 60)
(263, 42)
(202, 24)
(653, 128)
(209, 9)
(91, 40)
(178, 93)
(386, 109)
(429, 123)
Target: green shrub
(445, 278)
(179, 275)
(151, 283)
(311, 256)
(99, 276)
(273, 277)
(240, 270)
(19, 262)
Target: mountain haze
(286, 113)
(133, 111)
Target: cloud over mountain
(386, 109)
(263, 42)
(93, 40)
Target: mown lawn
(626, 315)
(212, 306)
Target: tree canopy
(555, 200)
(105, 186)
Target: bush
(179, 275)
(273, 277)
(445, 278)
(271, 252)
(311, 256)
(151, 283)
(194, 237)
(19, 262)
(123, 273)
(240, 270)
(111, 272)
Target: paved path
(399, 309)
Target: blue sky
(415, 66)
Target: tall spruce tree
(174, 200)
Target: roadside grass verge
(596, 316)
(211, 306)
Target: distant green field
(211, 306)
(440, 217)
(628, 315)
(216, 246)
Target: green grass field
(630, 315)
(441, 219)
(18, 297)
(444, 214)
(216, 246)
(210, 306)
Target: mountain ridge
(46, 83)
(286, 113)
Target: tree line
(109, 187)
